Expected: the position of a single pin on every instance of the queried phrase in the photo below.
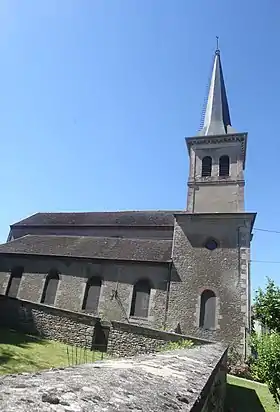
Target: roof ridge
(110, 211)
(121, 218)
(14, 240)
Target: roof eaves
(86, 258)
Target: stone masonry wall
(245, 286)
(192, 380)
(118, 338)
(223, 270)
(129, 340)
(116, 277)
(214, 392)
(47, 322)
(216, 193)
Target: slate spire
(217, 118)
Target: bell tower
(211, 245)
(217, 155)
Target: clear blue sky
(97, 96)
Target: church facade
(185, 270)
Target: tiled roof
(125, 218)
(91, 247)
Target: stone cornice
(248, 216)
(236, 137)
(216, 182)
(225, 138)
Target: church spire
(217, 118)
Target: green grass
(182, 344)
(247, 396)
(25, 353)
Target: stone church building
(186, 270)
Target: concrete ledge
(157, 333)
(191, 380)
(125, 339)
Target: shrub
(181, 344)
(266, 366)
(236, 365)
(242, 371)
(267, 306)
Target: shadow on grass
(12, 337)
(240, 399)
(18, 327)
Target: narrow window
(206, 166)
(224, 166)
(141, 299)
(207, 310)
(92, 294)
(50, 288)
(14, 282)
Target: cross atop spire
(217, 39)
(217, 118)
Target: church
(181, 270)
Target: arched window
(207, 318)
(50, 287)
(141, 299)
(92, 294)
(206, 166)
(14, 282)
(224, 166)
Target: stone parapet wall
(129, 340)
(191, 380)
(117, 338)
(213, 395)
(47, 322)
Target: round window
(211, 244)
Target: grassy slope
(246, 396)
(24, 353)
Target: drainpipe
(167, 294)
